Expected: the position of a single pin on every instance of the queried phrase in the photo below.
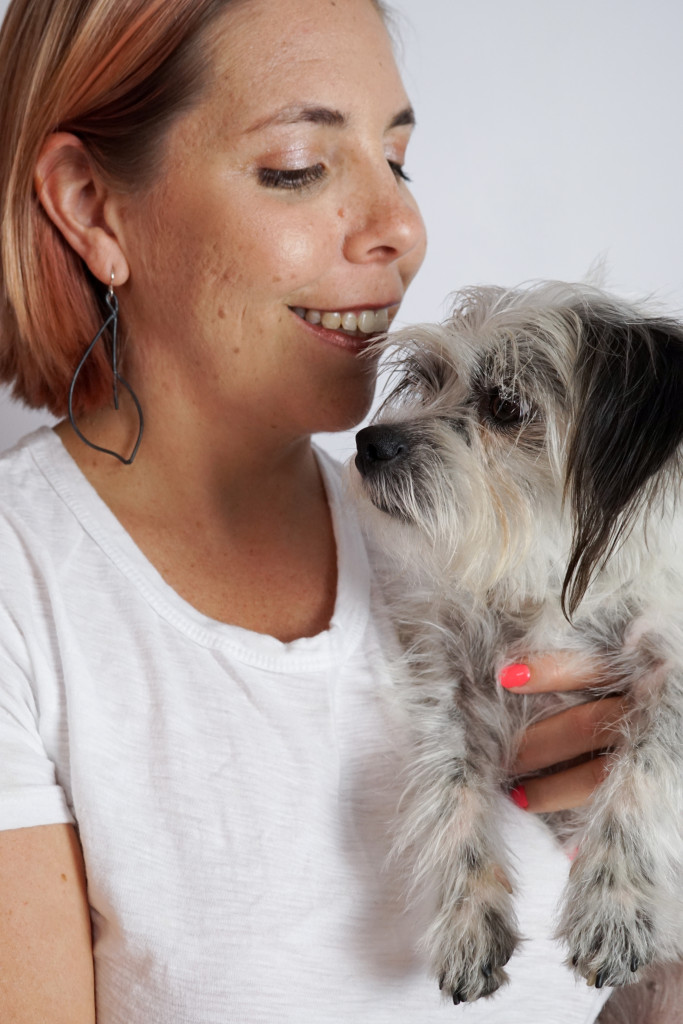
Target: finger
(558, 672)
(563, 791)
(568, 734)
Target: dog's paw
(610, 946)
(473, 952)
(607, 921)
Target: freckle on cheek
(340, 213)
(236, 351)
(221, 314)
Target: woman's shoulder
(34, 518)
(24, 488)
(19, 463)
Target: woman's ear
(78, 204)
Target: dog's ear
(628, 426)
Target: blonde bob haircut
(115, 73)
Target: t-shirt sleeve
(29, 791)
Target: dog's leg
(623, 902)
(457, 853)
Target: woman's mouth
(354, 323)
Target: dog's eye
(506, 410)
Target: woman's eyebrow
(324, 116)
(405, 118)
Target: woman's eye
(398, 170)
(272, 177)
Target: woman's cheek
(296, 254)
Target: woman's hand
(567, 735)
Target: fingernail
(514, 675)
(519, 797)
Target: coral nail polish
(519, 797)
(514, 675)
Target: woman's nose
(386, 225)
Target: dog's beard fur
(523, 479)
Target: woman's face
(282, 200)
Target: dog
(523, 483)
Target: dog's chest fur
(455, 647)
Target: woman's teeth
(370, 321)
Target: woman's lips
(355, 322)
(353, 343)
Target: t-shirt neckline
(353, 577)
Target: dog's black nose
(377, 446)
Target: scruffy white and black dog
(524, 476)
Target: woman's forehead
(286, 54)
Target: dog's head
(526, 436)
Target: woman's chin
(347, 408)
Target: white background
(549, 136)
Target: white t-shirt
(231, 792)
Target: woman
(197, 761)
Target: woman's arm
(657, 999)
(46, 965)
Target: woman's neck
(240, 530)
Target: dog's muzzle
(378, 446)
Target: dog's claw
(600, 978)
(470, 965)
(635, 964)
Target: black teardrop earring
(112, 321)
